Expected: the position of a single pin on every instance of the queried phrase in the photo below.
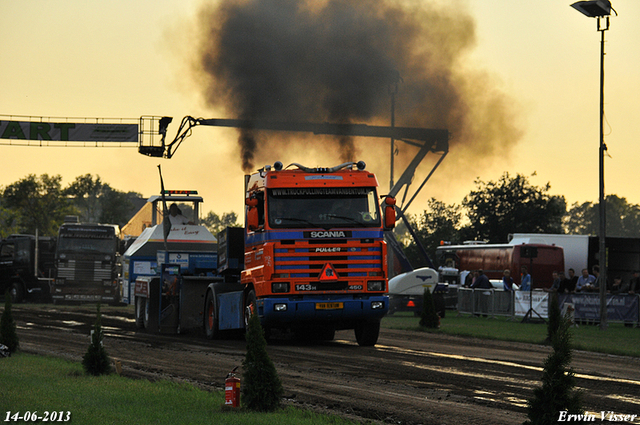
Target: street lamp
(593, 8)
(600, 9)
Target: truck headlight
(377, 305)
(279, 287)
(375, 285)
(280, 307)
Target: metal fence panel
(465, 300)
(486, 302)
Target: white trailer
(406, 291)
(575, 247)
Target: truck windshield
(102, 246)
(88, 239)
(323, 207)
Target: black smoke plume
(339, 61)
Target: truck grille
(84, 271)
(306, 259)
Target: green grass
(617, 339)
(36, 383)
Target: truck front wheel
(211, 316)
(141, 311)
(367, 332)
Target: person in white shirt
(176, 217)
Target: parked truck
(86, 264)
(582, 252)
(27, 266)
(310, 259)
(541, 261)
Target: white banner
(69, 132)
(539, 303)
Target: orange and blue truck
(315, 259)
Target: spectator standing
(572, 281)
(507, 280)
(482, 281)
(525, 280)
(585, 281)
(564, 283)
(619, 287)
(559, 283)
(468, 280)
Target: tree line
(490, 212)
(41, 202)
(511, 204)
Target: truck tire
(210, 316)
(250, 307)
(17, 293)
(141, 312)
(367, 332)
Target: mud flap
(231, 310)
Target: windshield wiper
(299, 220)
(351, 219)
(325, 226)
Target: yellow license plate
(329, 306)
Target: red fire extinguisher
(232, 389)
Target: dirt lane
(409, 377)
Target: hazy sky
(125, 59)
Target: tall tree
(116, 206)
(623, 218)
(216, 223)
(438, 222)
(8, 221)
(38, 202)
(86, 191)
(512, 204)
(98, 202)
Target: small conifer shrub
(96, 361)
(557, 392)
(429, 318)
(8, 335)
(261, 386)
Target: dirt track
(408, 378)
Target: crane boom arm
(436, 139)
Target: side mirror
(389, 212)
(252, 213)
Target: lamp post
(600, 9)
